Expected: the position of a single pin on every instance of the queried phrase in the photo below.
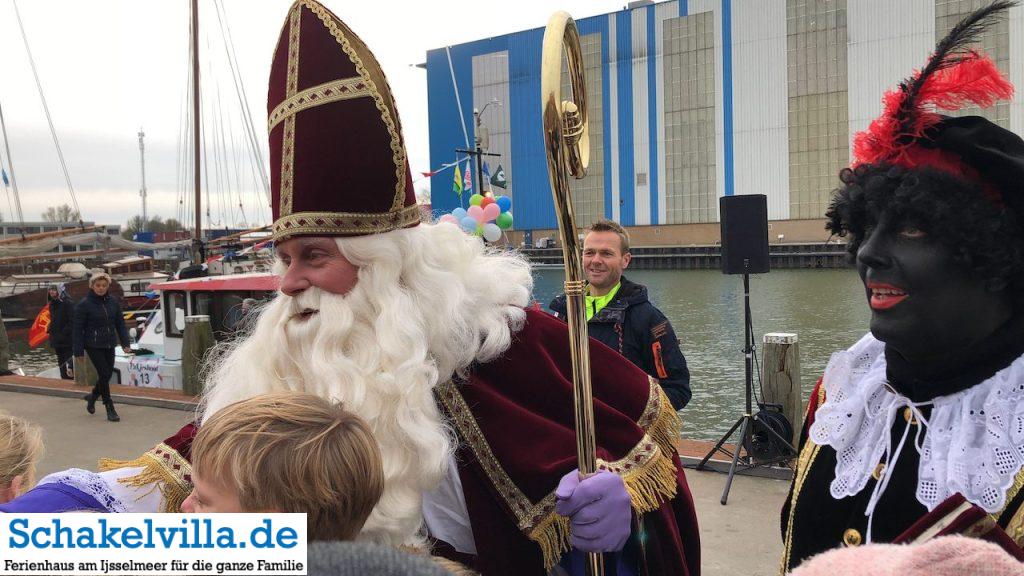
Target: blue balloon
(468, 224)
(459, 213)
(504, 202)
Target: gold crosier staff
(567, 142)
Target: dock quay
(820, 255)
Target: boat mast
(197, 241)
(10, 164)
(142, 192)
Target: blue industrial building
(691, 100)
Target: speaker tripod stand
(745, 423)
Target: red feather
(892, 137)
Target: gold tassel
(553, 536)
(648, 486)
(173, 489)
(651, 484)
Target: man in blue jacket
(620, 315)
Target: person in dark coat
(98, 327)
(620, 315)
(61, 312)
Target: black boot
(90, 403)
(111, 413)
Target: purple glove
(599, 509)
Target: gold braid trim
(163, 469)
(667, 426)
(647, 471)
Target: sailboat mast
(197, 242)
(142, 191)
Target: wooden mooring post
(197, 342)
(781, 378)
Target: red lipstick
(885, 296)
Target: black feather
(948, 52)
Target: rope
(458, 101)
(10, 163)
(250, 130)
(46, 109)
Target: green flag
(457, 182)
(498, 179)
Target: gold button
(851, 537)
(908, 415)
(877, 473)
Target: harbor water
(826, 308)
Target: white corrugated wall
(887, 42)
(613, 117)
(662, 12)
(490, 81)
(760, 102)
(1017, 68)
(696, 7)
(641, 119)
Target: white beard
(428, 303)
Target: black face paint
(925, 305)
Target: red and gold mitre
(337, 156)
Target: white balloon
(491, 232)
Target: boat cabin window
(224, 309)
(175, 308)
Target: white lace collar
(973, 443)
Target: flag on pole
(457, 183)
(487, 175)
(37, 333)
(4, 173)
(499, 178)
(469, 181)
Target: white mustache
(308, 299)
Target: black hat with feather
(912, 134)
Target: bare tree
(62, 213)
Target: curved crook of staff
(567, 143)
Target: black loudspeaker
(744, 221)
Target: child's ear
(11, 491)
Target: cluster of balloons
(487, 216)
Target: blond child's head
(21, 447)
(288, 452)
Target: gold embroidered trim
(343, 223)
(333, 91)
(648, 473)
(1015, 527)
(803, 467)
(288, 138)
(397, 147)
(667, 427)
(981, 528)
(163, 468)
(652, 409)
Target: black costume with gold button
(813, 521)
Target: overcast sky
(110, 67)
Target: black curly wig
(980, 234)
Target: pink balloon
(491, 212)
(476, 213)
(449, 219)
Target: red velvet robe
(514, 418)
